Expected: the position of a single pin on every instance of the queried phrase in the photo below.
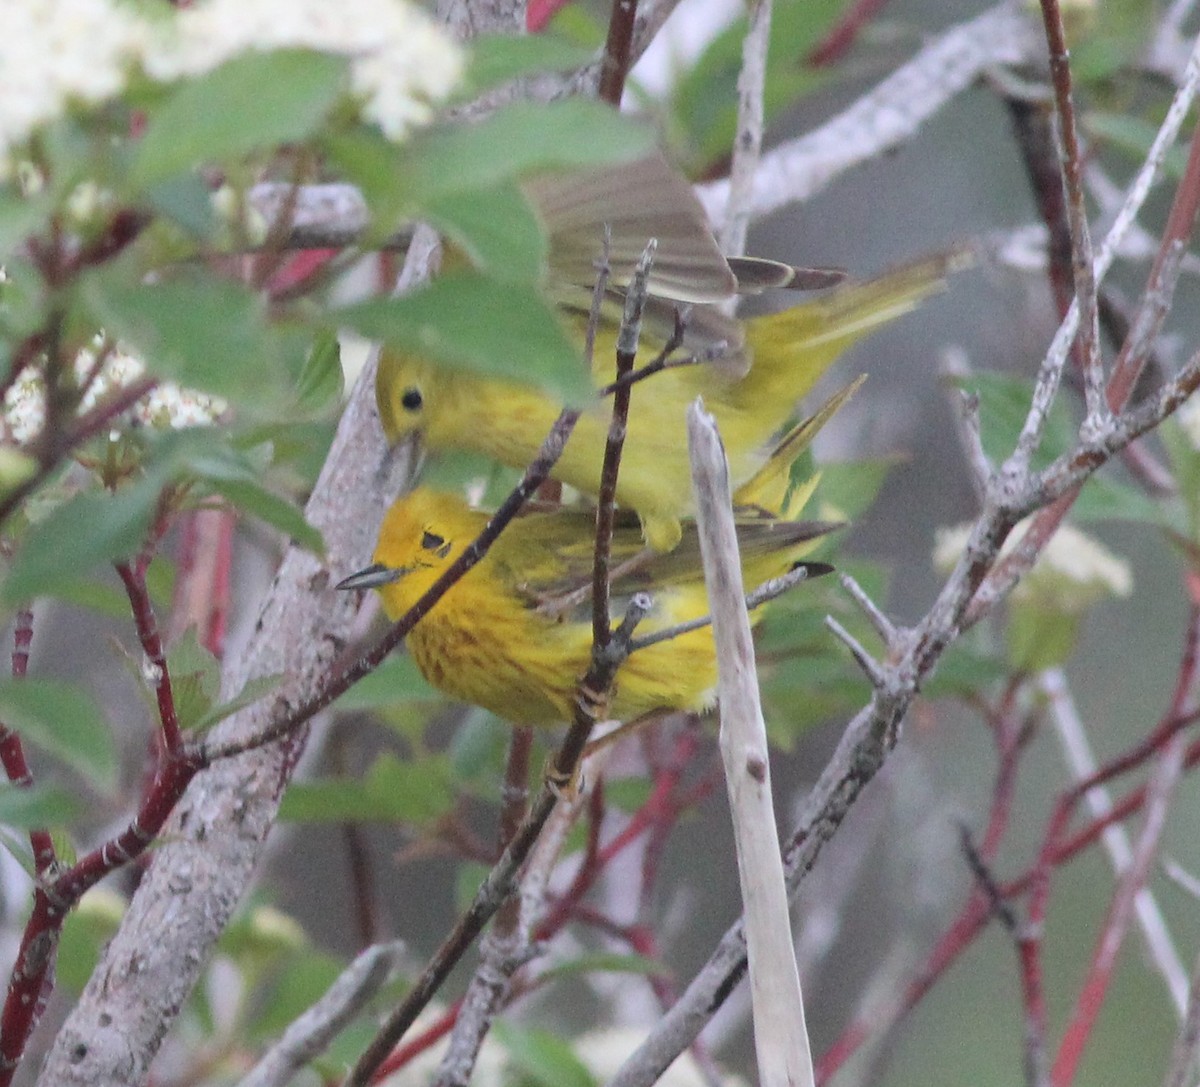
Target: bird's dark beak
(372, 577)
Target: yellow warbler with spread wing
(752, 393)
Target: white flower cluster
(57, 52)
(1072, 572)
(400, 60)
(53, 52)
(166, 406)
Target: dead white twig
(309, 1035)
(1187, 1042)
(1078, 752)
(887, 116)
(747, 143)
(780, 1034)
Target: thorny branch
(1010, 493)
(913, 652)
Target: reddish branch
(55, 895)
(418, 1044)
(1181, 222)
(844, 33)
(614, 66)
(1095, 988)
(156, 672)
(12, 752)
(667, 803)
(1058, 849)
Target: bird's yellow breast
(492, 649)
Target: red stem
(1057, 851)
(838, 42)
(158, 675)
(28, 984)
(413, 1048)
(12, 751)
(1180, 222)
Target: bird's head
(407, 391)
(420, 537)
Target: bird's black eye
(431, 541)
(411, 400)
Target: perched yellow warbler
(751, 394)
(514, 635)
(501, 636)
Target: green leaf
(1185, 466)
(160, 581)
(626, 794)
(455, 469)
(471, 322)
(478, 748)
(1134, 137)
(966, 668)
(195, 678)
(86, 530)
(20, 217)
(186, 200)
(85, 932)
(249, 694)
(849, 488)
(94, 595)
(703, 103)
(203, 332)
(498, 58)
(376, 166)
(257, 100)
(467, 880)
(35, 807)
(301, 983)
(17, 846)
(516, 140)
(1104, 499)
(62, 720)
(395, 680)
(271, 508)
(1004, 403)
(320, 383)
(544, 1057)
(604, 962)
(411, 791)
(1039, 638)
(496, 228)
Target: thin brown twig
(627, 345)
(503, 951)
(1083, 262)
(1187, 1042)
(614, 66)
(591, 694)
(839, 40)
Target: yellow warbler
(501, 637)
(786, 353)
(515, 636)
(633, 202)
